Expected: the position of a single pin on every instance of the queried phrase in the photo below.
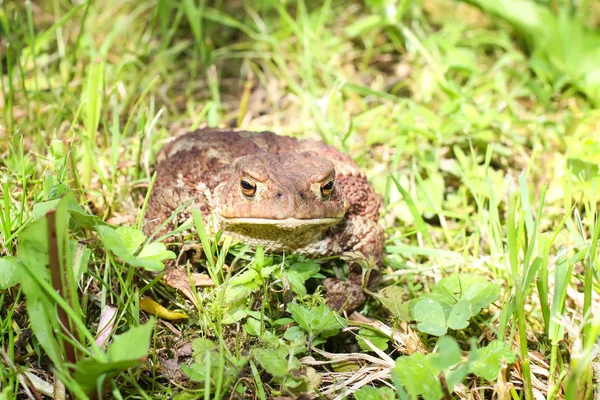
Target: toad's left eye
(327, 188)
(248, 187)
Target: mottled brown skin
(288, 211)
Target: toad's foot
(344, 296)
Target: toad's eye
(327, 188)
(248, 187)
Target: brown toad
(297, 196)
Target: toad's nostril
(278, 195)
(301, 195)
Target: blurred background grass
(452, 100)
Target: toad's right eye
(248, 187)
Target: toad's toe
(343, 296)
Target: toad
(288, 195)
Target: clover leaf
(452, 303)
(491, 358)
(430, 315)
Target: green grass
(481, 142)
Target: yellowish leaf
(152, 307)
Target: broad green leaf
(42, 208)
(155, 252)
(430, 315)
(448, 354)
(371, 393)
(491, 358)
(127, 350)
(237, 293)
(76, 212)
(131, 238)
(213, 362)
(460, 296)
(10, 272)
(131, 345)
(121, 241)
(318, 320)
(244, 277)
(272, 362)
(44, 324)
(294, 333)
(477, 289)
(418, 376)
(33, 254)
(200, 347)
(299, 272)
(583, 169)
(196, 372)
(460, 315)
(252, 326)
(378, 339)
(392, 299)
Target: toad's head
(277, 194)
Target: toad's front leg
(164, 201)
(359, 235)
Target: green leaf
(392, 298)
(371, 393)
(124, 241)
(213, 362)
(585, 170)
(477, 289)
(131, 238)
(76, 212)
(418, 376)
(200, 347)
(42, 208)
(131, 345)
(271, 361)
(460, 315)
(448, 354)
(10, 272)
(196, 372)
(245, 277)
(430, 315)
(33, 254)
(491, 358)
(318, 320)
(155, 252)
(378, 339)
(294, 334)
(127, 350)
(252, 326)
(299, 272)
(460, 297)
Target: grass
(488, 167)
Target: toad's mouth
(288, 223)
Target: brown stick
(447, 394)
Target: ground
(477, 126)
